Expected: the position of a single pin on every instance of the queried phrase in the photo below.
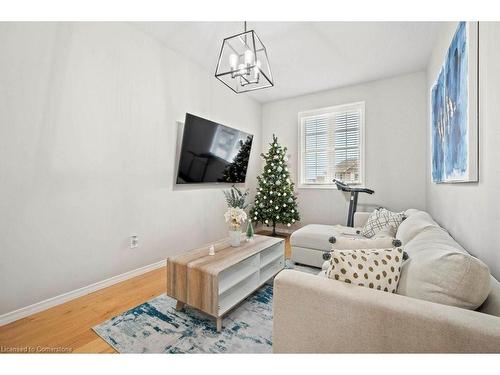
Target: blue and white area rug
(157, 327)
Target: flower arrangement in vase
(235, 214)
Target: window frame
(302, 184)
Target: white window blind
(331, 145)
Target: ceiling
(307, 57)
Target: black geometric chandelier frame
(243, 64)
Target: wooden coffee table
(216, 283)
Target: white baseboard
(65, 297)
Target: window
(331, 145)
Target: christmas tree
(237, 170)
(275, 201)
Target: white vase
(235, 237)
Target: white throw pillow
(373, 268)
(381, 219)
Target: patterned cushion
(375, 268)
(379, 220)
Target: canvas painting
(454, 121)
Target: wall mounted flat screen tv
(212, 152)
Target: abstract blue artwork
(454, 110)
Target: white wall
(395, 144)
(88, 132)
(471, 211)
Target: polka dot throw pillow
(371, 268)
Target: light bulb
(241, 69)
(248, 57)
(233, 61)
(256, 69)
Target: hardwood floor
(68, 327)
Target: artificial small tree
(275, 200)
(250, 231)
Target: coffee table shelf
(270, 260)
(215, 284)
(237, 293)
(236, 278)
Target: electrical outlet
(134, 241)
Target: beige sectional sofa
(446, 302)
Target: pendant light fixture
(243, 64)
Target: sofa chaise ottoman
(309, 243)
